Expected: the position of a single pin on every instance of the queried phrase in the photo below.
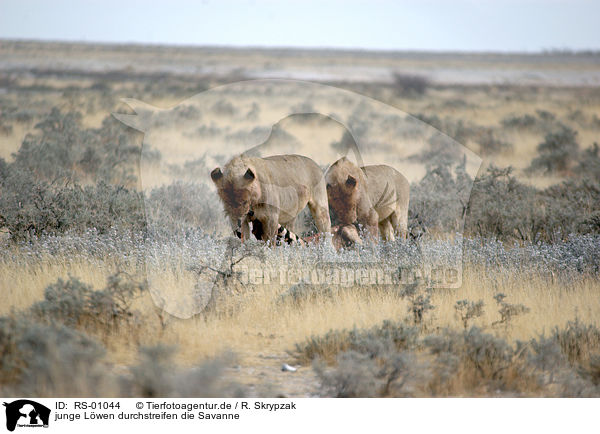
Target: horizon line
(542, 51)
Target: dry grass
(551, 305)
(264, 324)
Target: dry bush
(62, 148)
(78, 305)
(49, 360)
(467, 310)
(558, 152)
(410, 85)
(29, 209)
(578, 342)
(491, 144)
(370, 341)
(359, 375)
(507, 310)
(183, 206)
(473, 363)
(157, 376)
(406, 362)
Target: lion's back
(293, 169)
(379, 176)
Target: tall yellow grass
(263, 324)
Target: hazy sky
(469, 25)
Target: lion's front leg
(371, 225)
(245, 229)
(321, 216)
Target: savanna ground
(100, 232)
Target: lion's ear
(249, 175)
(351, 181)
(216, 175)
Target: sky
(438, 25)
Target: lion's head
(344, 181)
(238, 187)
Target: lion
(375, 197)
(273, 190)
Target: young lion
(373, 196)
(274, 189)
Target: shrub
(474, 363)
(32, 208)
(545, 115)
(589, 163)
(410, 85)
(152, 376)
(454, 363)
(558, 152)
(54, 360)
(570, 208)
(439, 201)
(182, 206)
(49, 360)
(371, 341)
(78, 305)
(51, 153)
(591, 370)
(578, 342)
(433, 120)
(504, 208)
(113, 153)
(4, 169)
(507, 310)
(5, 128)
(359, 375)
(344, 144)
(542, 121)
(224, 108)
(468, 310)
(156, 376)
(302, 293)
(547, 358)
(460, 130)
(355, 376)
(63, 150)
(14, 113)
(419, 301)
(39, 189)
(254, 112)
(490, 144)
(519, 121)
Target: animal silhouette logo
(26, 413)
(243, 119)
